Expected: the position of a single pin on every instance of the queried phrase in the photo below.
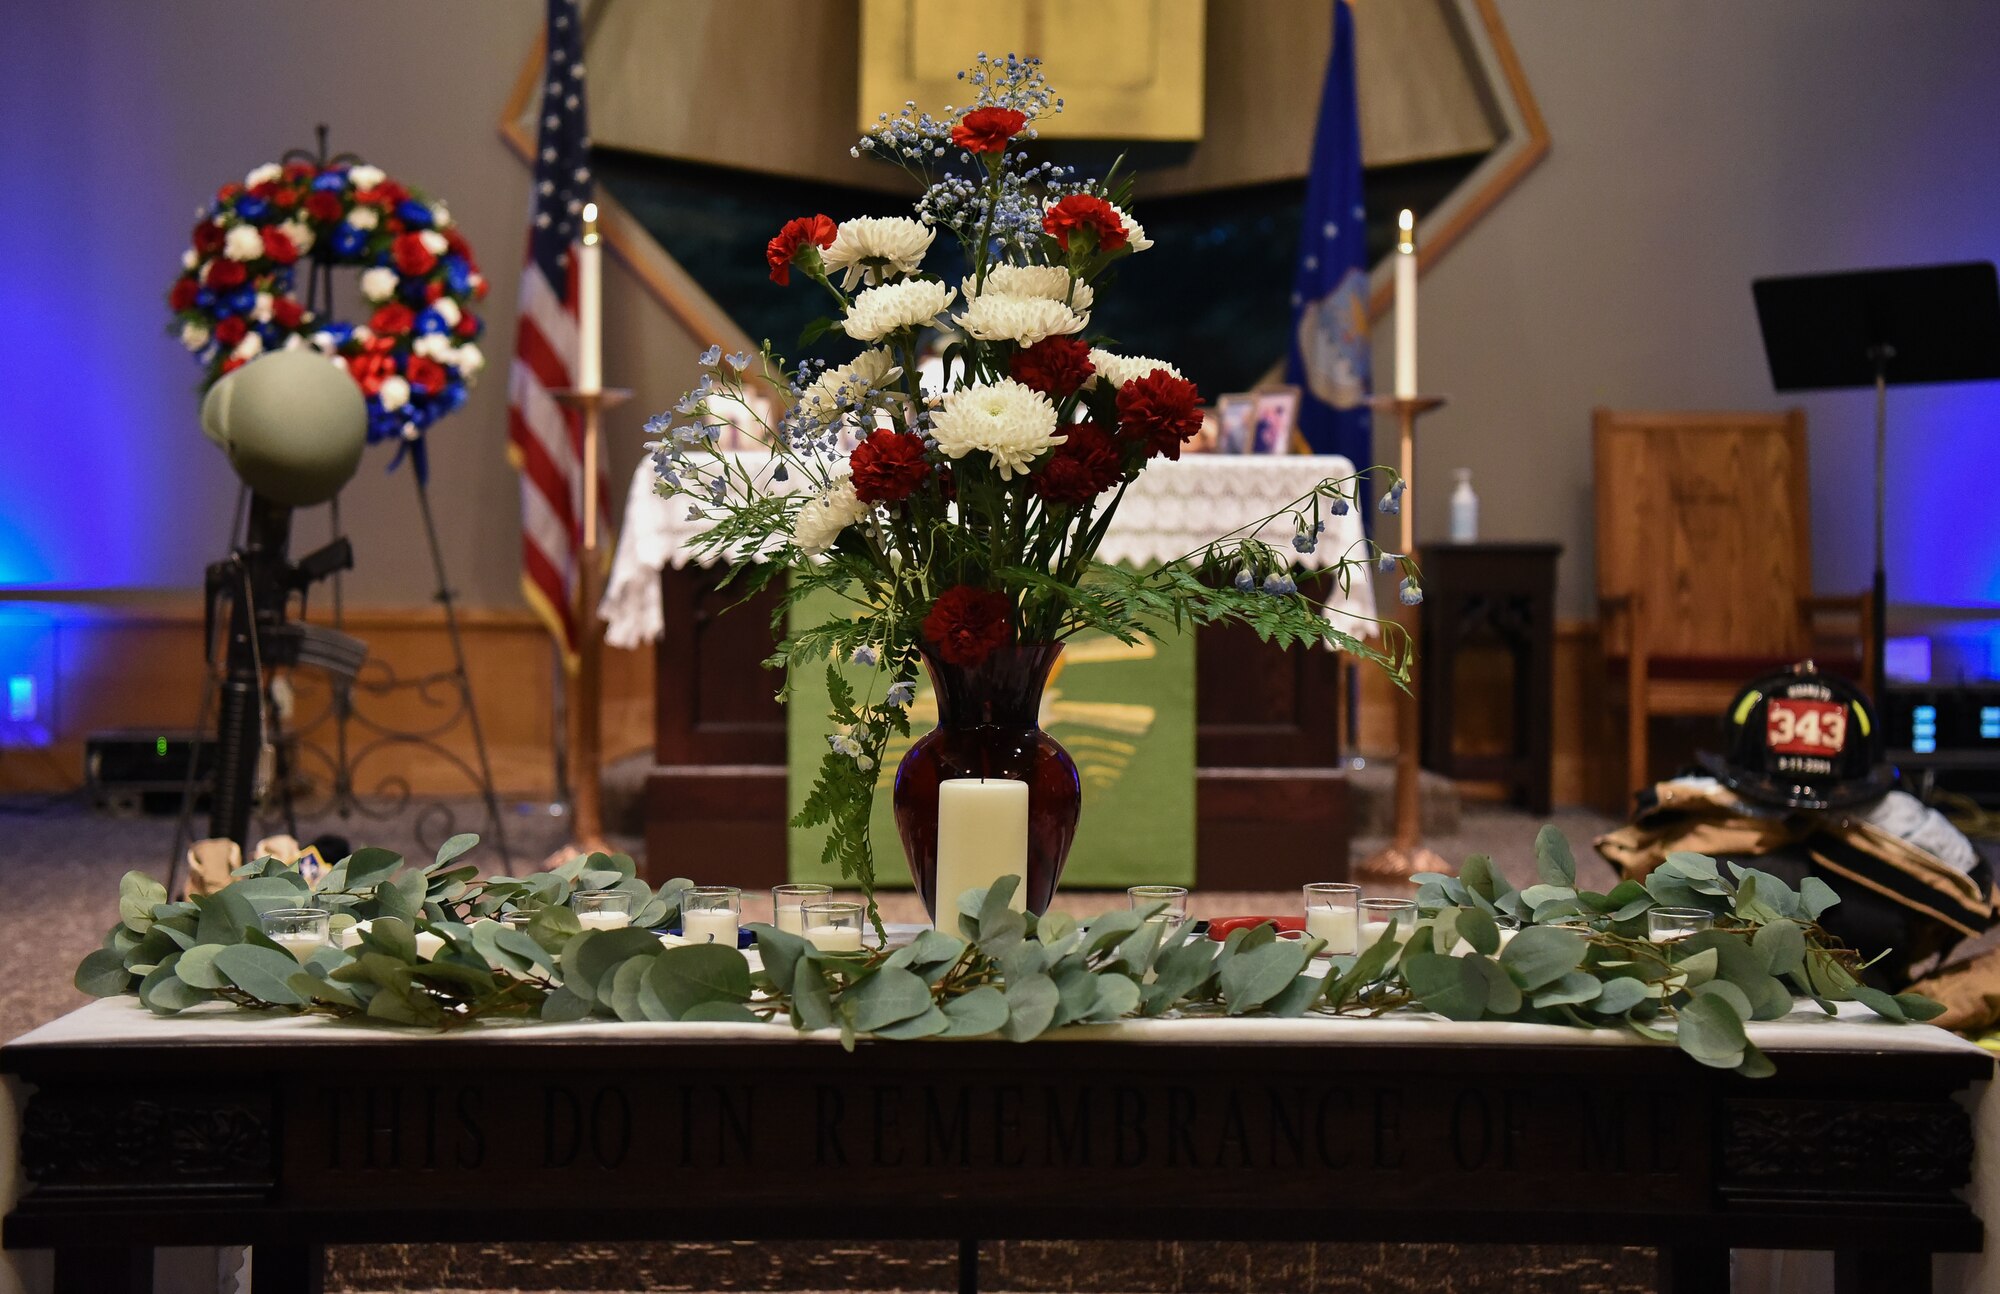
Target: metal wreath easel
(356, 738)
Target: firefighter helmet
(1800, 739)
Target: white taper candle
(590, 306)
(1406, 304)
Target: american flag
(545, 438)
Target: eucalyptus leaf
(812, 1006)
(263, 974)
(563, 1006)
(1298, 997)
(1451, 986)
(164, 993)
(697, 973)
(197, 967)
(1880, 1003)
(1031, 1007)
(591, 957)
(1541, 955)
(889, 995)
(1619, 995)
(456, 847)
(1553, 861)
(1573, 989)
(102, 973)
(138, 895)
(1251, 979)
(369, 866)
(1181, 970)
(1712, 1032)
(1815, 897)
(1917, 1007)
(1722, 988)
(929, 1024)
(780, 951)
(982, 1011)
(1117, 996)
(623, 996)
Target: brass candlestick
(1406, 855)
(586, 681)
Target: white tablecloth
(1172, 509)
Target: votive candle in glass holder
(710, 914)
(1668, 925)
(833, 925)
(1173, 916)
(1386, 918)
(299, 931)
(1333, 913)
(1509, 927)
(788, 904)
(602, 909)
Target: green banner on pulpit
(1126, 716)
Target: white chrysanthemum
(366, 177)
(1135, 233)
(249, 348)
(364, 217)
(378, 283)
(243, 243)
(263, 175)
(194, 336)
(324, 343)
(447, 310)
(189, 259)
(821, 520)
(394, 393)
(871, 247)
(1120, 369)
(1021, 320)
(261, 309)
(300, 233)
(882, 310)
(871, 370)
(432, 345)
(1013, 423)
(1049, 281)
(440, 215)
(433, 241)
(470, 360)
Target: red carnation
(782, 251)
(181, 297)
(966, 625)
(426, 374)
(224, 274)
(230, 331)
(264, 190)
(207, 238)
(285, 199)
(231, 364)
(1083, 467)
(379, 196)
(412, 257)
(370, 368)
(987, 130)
(888, 467)
(296, 171)
(278, 245)
(467, 326)
(228, 191)
(1055, 366)
(1081, 213)
(323, 207)
(286, 312)
(392, 320)
(1160, 409)
(433, 290)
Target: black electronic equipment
(146, 770)
(1947, 738)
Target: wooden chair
(1704, 564)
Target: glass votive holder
(1172, 917)
(1667, 925)
(710, 914)
(1333, 913)
(602, 909)
(833, 925)
(519, 918)
(788, 904)
(1509, 927)
(299, 931)
(1385, 919)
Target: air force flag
(1329, 350)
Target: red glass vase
(988, 726)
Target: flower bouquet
(957, 515)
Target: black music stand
(1881, 328)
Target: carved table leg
(104, 1270)
(287, 1269)
(1866, 1271)
(1694, 1269)
(968, 1267)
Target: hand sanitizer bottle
(1464, 509)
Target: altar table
(289, 1133)
(1270, 792)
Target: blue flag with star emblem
(1328, 360)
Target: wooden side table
(1497, 594)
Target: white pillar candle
(835, 939)
(709, 927)
(604, 920)
(1406, 304)
(1340, 927)
(300, 946)
(589, 306)
(982, 836)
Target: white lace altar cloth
(1171, 510)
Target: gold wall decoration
(1126, 69)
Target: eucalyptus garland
(434, 952)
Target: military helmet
(1800, 739)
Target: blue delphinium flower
(1337, 506)
(864, 655)
(1280, 585)
(901, 694)
(1386, 563)
(739, 361)
(1410, 593)
(1245, 581)
(1305, 541)
(780, 475)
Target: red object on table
(1219, 927)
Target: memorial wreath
(236, 295)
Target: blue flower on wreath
(347, 240)
(330, 181)
(243, 300)
(252, 209)
(205, 299)
(430, 321)
(457, 274)
(341, 333)
(414, 214)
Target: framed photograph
(1237, 415)
(1277, 418)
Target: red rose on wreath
(1083, 467)
(225, 274)
(966, 625)
(392, 320)
(286, 312)
(1160, 409)
(1055, 366)
(183, 293)
(781, 252)
(279, 246)
(230, 331)
(987, 130)
(426, 374)
(1082, 213)
(888, 467)
(412, 257)
(207, 238)
(323, 207)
